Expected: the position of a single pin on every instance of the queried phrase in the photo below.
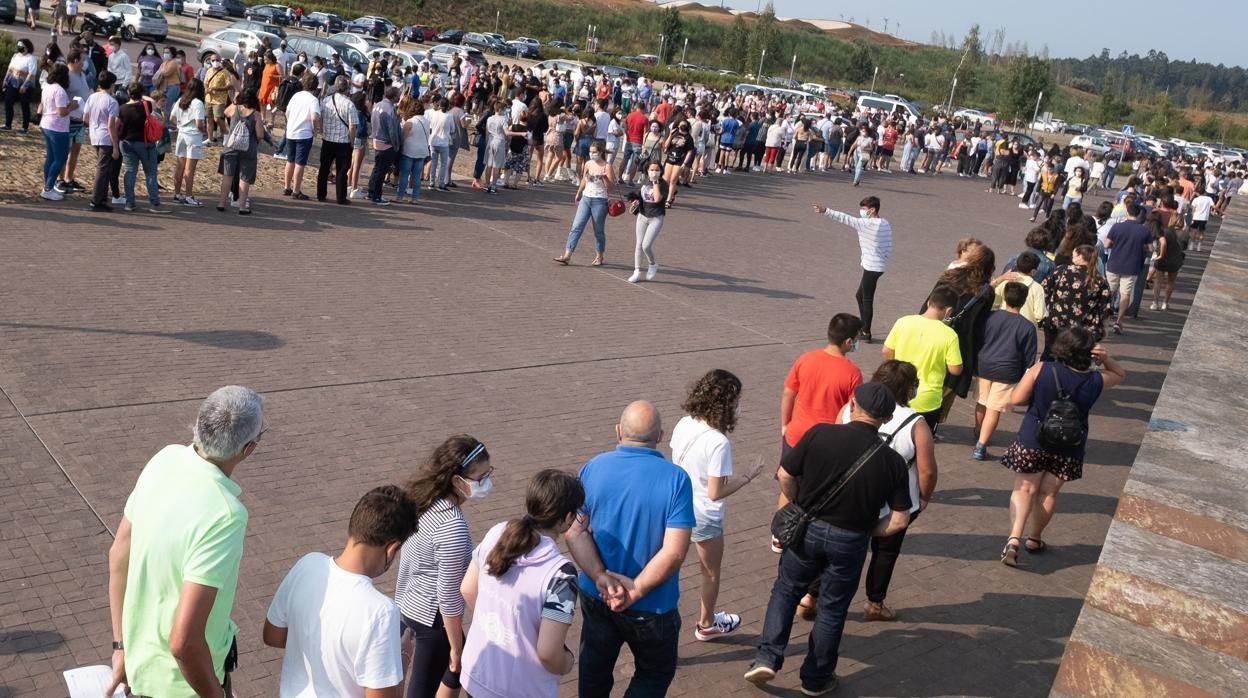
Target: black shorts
(886, 152)
(1199, 225)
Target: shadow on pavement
(245, 340)
(22, 641)
(987, 548)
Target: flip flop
(1040, 545)
(562, 260)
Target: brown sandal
(562, 260)
(597, 261)
(877, 612)
(1009, 555)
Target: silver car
(140, 21)
(224, 43)
(207, 8)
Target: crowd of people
(857, 458)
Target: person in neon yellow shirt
(173, 566)
(931, 346)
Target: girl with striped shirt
(432, 563)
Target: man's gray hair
(229, 419)
(342, 84)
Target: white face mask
(166, 55)
(216, 64)
(478, 490)
(654, 176)
(862, 213)
(150, 52)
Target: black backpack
(1062, 426)
(286, 90)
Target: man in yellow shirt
(932, 347)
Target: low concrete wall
(1167, 611)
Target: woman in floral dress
(1076, 295)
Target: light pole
(497, 14)
(949, 108)
(662, 43)
(792, 67)
(874, 76)
(684, 50)
(760, 65)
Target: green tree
(1113, 108)
(861, 63)
(737, 45)
(762, 38)
(969, 63)
(1167, 120)
(1029, 78)
(1210, 128)
(673, 28)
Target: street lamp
(874, 76)
(760, 65)
(662, 43)
(684, 50)
(792, 66)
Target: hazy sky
(1208, 32)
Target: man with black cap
(835, 544)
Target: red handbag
(615, 208)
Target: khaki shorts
(993, 395)
(1122, 284)
(216, 110)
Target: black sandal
(1040, 545)
(1009, 555)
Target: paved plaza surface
(374, 333)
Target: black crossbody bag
(789, 523)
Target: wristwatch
(117, 645)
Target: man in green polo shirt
(173, 567)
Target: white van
(888, 105)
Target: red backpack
(153, 129)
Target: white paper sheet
(90, 682)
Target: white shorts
(190, 147)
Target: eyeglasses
(488, 472)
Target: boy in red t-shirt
(820, 383)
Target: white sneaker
(118, 201)
(1165, 305)
(1023, 206)
(1152, 306)
(724, 624)
(652, 272)
(233, 202)
(192, 202)
(635, 277)
(359, 193)
(52, 195)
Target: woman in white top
(188, 115)
(19, 83)
(914, 442)
(700, 445)
(597, 181)
(415, 150)
(441, 128)
(496, 146)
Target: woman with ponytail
(433, 561)
(523, 594)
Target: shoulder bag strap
(826, 499)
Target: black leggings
(866, 297)
(884, 552)
(12, 97)
(431, 658)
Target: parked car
(140, 21)
(451, 36)
(497, 43)
(1050, 126)
(975, 116)
(1119, 142)
(406, 58)
(269, 14)
(372, 26)
(476, 40)
(323, 21)
(444, 53)
(1022, 138)
(615, 71)
(8, 11)
(356, 41)
(225, 42)
(522, 49)
(258, 26)
(562, 67)
(419, 33)
(563, 45)
(325, 48)
(1093, 144)
(528, 40)
(174, 7)
(234, 8)
(207, 8)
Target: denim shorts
(707, 529)
(300, 149)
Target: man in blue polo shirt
(629, 542)
(1129, 244)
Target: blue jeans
(440, 156)
(172, 93)
(133, 153)
(652, 638)
(56, 144)
(479, 168)
(1137, 295)
(595, 208)
(410, 170)
(835, 557)
(632, 156)
(860, 164)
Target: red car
(419, 32)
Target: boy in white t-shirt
(1202, 205)
(341, 636)
(700, 446)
